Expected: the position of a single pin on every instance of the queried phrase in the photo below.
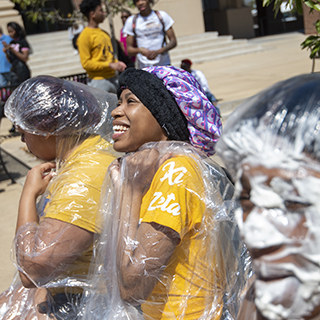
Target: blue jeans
(213, 100)
(109, 85)
(4, 79)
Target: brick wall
(309, 20)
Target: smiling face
(42, 147)
(133, 124)
(11, 32)
(143, 6)
(280, 223)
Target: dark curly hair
(87, 6)
(20, 33)
(150, 1)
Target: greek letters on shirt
(173, 175)
(152, 30)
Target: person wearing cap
(60, 122)
(161, 202)
(96, 50)
(271, 146)
(186, 65)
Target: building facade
(228, 17)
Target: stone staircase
(53, 53)
(209, 46)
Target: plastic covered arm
(143, 249)
(18, 302)
(45, 250)
(140, 268)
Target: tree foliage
(296, 5)
(311, 43)
(39, 10)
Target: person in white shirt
(149, 29)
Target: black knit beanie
(153, 94)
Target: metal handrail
(79, 77)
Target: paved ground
(231, 79)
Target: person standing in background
(200, 77)
(17, 53)
(73, 32)
(96, 51)
(125, 14)
(150, 29)
(5, 65)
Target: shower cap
(203, 121)
(279, 123)
(46, 105)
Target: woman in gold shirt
(164, 203)
(60, 122)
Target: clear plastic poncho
(54, 254)
(176, 252)
(271, 146)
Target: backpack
(134, 21)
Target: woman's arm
(143, 252)
(44, 250)
(23, 56)
(143, 249)
(133, 50)
(170, 45)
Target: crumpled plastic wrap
(67, 108)
(284, 117)
(52, 253)
(271, 145)
(186, 196)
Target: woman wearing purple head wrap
(162, 203)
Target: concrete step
(196, 37)
(224, 45)
(53, 53)
(57, 60)
(216, 53)
(60, 71)
(50, 37)
(177, 63)
(202, 43)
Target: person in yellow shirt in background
(96, 51)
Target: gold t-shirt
(192, 280)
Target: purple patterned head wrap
(203, 121)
